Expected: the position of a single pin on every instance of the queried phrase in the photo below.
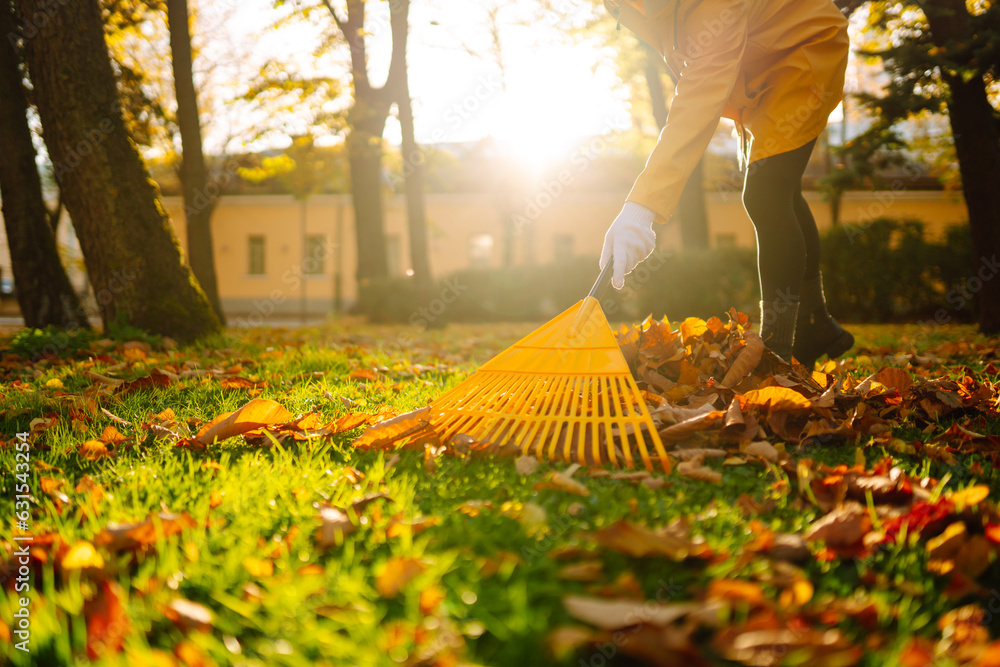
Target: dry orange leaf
(386, 432)
(623, 613)
(746, 361)
(350, 422)
(366, 374)
(843, 526)
(638, 541)
(695, 470)
(112, 435)
(736, 589)
(107, 622)
(563, 481)
(395, 574)
(255, 414)
(430, 598)
(93, 450)
(118, 536)
(895, 378)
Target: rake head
(562, 392)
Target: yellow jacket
(776, 67)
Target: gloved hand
(629, 240)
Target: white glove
(629, 240)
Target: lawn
(874, 541)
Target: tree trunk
(366, 120)
(364, 157)
(977, 145)
(133, 259)
(198, 206)
(413, 158)
(44, 291)
(691, 210)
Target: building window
(314, 263)
(564, 247)
(255, 252)
(725, 240)
(481, 250)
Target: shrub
(887, 270)
(697, 283)
(882, 271)
(51, 342)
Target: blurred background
(447, 161)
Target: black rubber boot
(816, 333)
(777, 326)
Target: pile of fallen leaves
(712, 385)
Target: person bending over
(776, 68)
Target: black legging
(787, 238)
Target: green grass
(490, 554)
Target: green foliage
(51, 342)
(511, 294)
(697, 283)
(884, 271)
(887, 270)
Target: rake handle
(603, 280)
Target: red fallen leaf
(993, 532)
(255, 414)
(156, 378)
(774, 398)
(107, 622)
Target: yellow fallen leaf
(258, 567)
(971, 496)
(82, 555)
(54, 383)
(774, 398)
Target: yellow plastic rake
(563, 389)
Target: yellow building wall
(551, 227)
